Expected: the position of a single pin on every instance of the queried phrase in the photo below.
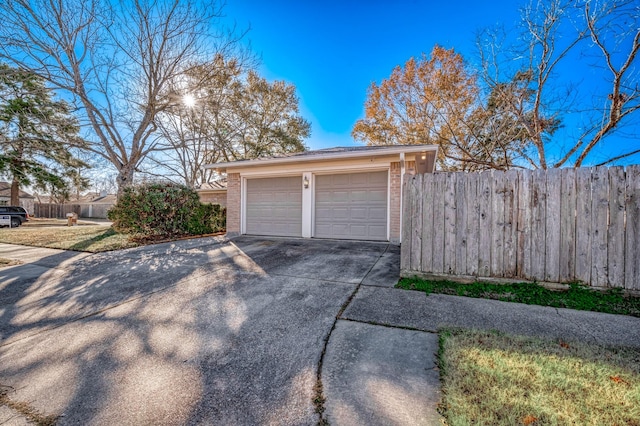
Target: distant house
(26, 199)
(214, 192)
(96, 198)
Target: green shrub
(219, 218)
(207, 218)
(163, 209)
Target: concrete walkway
(209, 331)
(380, 367)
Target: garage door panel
(323, 229)
(274, 206)
(359, 230)
(380, 196)
(380, 179)
(351, 205)
(378, 231)
(339, 180)
(361, 213)
(359, 196)
(359, 179)
(378, 214)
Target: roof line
(328, 156)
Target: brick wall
(233, 204)
(219, 197)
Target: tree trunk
(124, 178)
(15, 193)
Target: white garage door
(274, 206)
(351, 206)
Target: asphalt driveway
(203, 331)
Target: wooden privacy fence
(86, 210)
(51, 210)
(556, 226)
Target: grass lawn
(54, 233)
(490, 378)
(576, 297)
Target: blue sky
(333, 50)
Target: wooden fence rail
(556, 226)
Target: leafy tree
(116, 60)
(268, 120)
(437, 100)
(37, 135)
(236, 114)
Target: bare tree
(538, 91)
(117, 61)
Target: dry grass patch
(8, 262)
(91, 238)
(491, 378)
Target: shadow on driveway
(203, 331)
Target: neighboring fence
(96, 211)
(557, 226)
(48, 210)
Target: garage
(274, 206)
(351, 206)
(352, 192)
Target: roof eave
(211, 190)
(406, 149)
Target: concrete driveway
(206, 331)
(248, 331)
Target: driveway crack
(319, 398)
(26, 410)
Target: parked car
(18, 215)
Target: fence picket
(427, 198)
(461, 227)
(552, 226)
(497, 225)
(438, 222)
(567, 225)
(450, 223)
(615, 237)
(524, 224)
(599, 224)
(405, 248)
(416, 223)
(510, 223)
(632, 238)
(473, 228)
(485, 193)
(583, 225)
(538, 223)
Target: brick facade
(217, 197)
(233, 204)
